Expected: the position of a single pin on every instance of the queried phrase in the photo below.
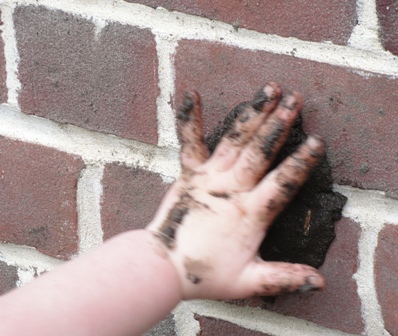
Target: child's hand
(215, 216)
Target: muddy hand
(213, 219)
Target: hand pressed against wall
(215, 216)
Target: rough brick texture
(104, 80)
(130, 199)
(3, 87)
(386, 273)
(8, 277)
(214, 327)
(38, 197)
(338, 306)
(355, 113)
(305, 19)
(387, 11)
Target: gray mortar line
(11, 53)
(184, 26)
(184, 321)
(93, 147)
(166, 121)
(89, 194)
(365, 34)
(259, 320)
(371, 210)
(370, 307)
(369, 207)
(28, 260)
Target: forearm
(121, 288)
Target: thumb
(274, 278)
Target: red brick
(386, 274)
(8, 277)
(354, 113)
(387, 11)
(3, 74)
(131, 198)
(305, 19)
(38, 197)
(106, 83)
(210, 326)
(338, 306)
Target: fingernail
(272, 90)
(260, 98)
(312, 283)
(290, 102)
(317, 145)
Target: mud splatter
(289, 189)
(174, 219)
(195, 270)
(220, 194)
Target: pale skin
(202, 243)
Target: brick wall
(88, 140)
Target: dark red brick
(106, 83)
(130, 199)
(3, 74)
(354, 113)
(38, 197)
(305, 19)
(8, 277)
(210, 326)
(338, 306)
(386, 274)
(387, 11)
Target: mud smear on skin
(168, 230)
(303, 232)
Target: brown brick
(106, 83)
(38, 197)
(353, 112)
(210, 326)
(305, 19)
(387, 11)
(386, 274)
(131, 198)
(8, 277)
(338, 306)
(3, 74)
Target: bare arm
(122, 288)
(202, 243)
